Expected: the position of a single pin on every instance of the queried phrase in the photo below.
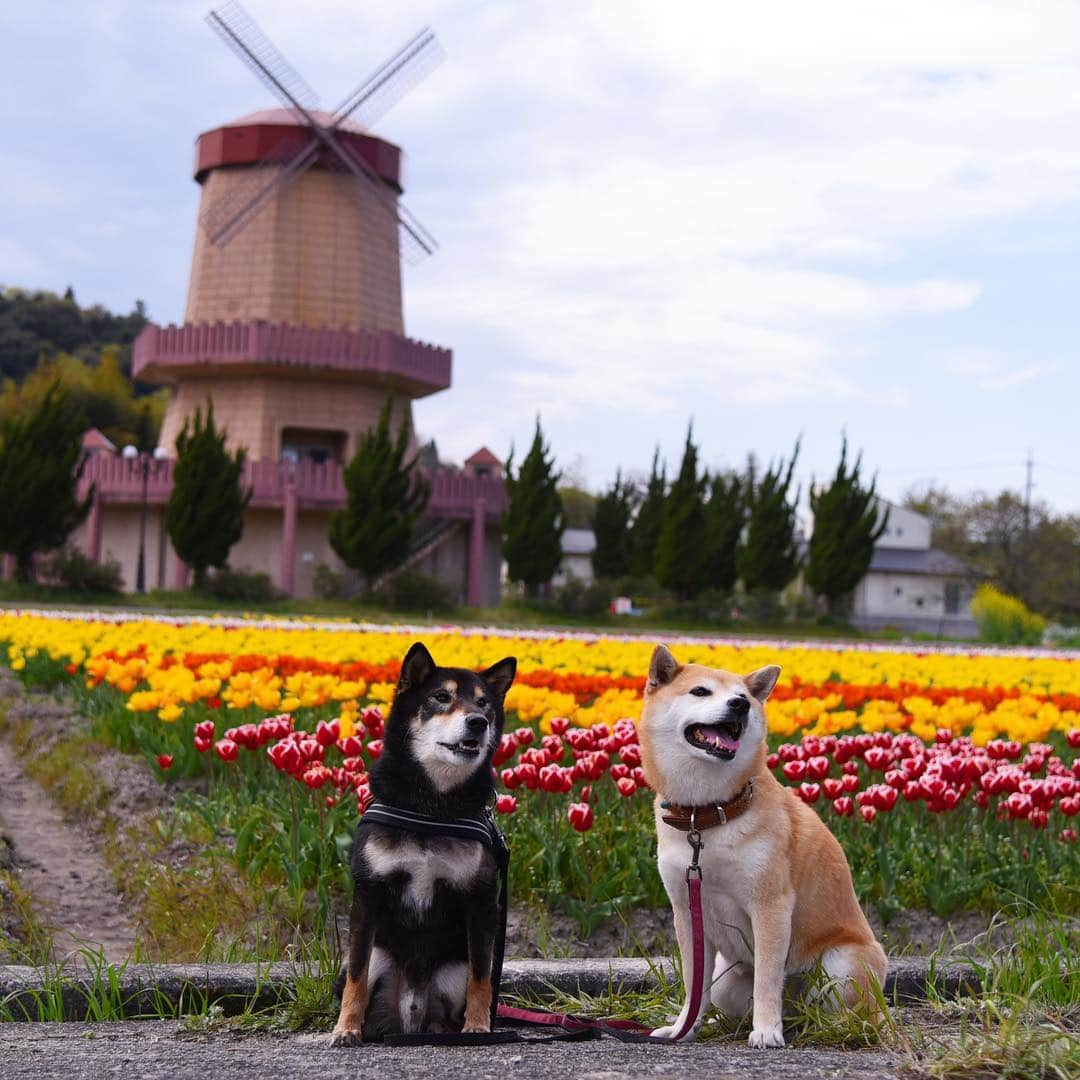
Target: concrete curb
(148, 990)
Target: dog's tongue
(717, 737)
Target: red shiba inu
(777, 896)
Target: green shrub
(576, 597)
(71, 569)
(1004, 619)
(410, 591)
(244, 585)
(327, 582)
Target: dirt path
(59, 865)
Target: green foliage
(769, 559)
(100, 390)
(846, 526)
(576, 597)
(205, 512)
(533, 523)
(1004, 619)
(680, 551)
(35, 324)
(386, 495)
(579, 506)
(41, 463)
(412, 591)
(725, 517)
(614, 509)
(254, 588)
(645, 532)
(70, 569)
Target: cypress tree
(611, 556)
(725, 516)
(41, 464)
(681, 550)
(385, 496)
(846, 526)
(645, 532)
(533, 522)
(205, 512)
(769, 559)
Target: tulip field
(951, 777)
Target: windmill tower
(294, 325)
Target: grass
(510, 614)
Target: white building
(913, 586)
(577, 547)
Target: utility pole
(1026, 549)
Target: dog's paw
(475, 1029)
(767, 1036)
(346, 1037)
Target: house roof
(93, 439)
(578, 541)
(933, 561)
(483, 456)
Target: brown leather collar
(710, 815)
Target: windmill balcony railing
(454, 494)
(160, 350)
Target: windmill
(225, 218)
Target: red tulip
(619, 771)
(226, 749)
(201, 744)
(316, 775)
(1068, 836)
(524, 735)
(626, 786)
(506, 804)
(631, 755)
(510, 778)
(844, 806)
(877, 758)
(560, 725)
(772, 760)
(638, 774)
(1039, 819)
(505, 751)
(580, 816)
(809, 793)
(328, 734)
(204, 729)
(1018, 805)
(1072, 737)
(867, 813)
(165, 762)
(1070, 805)
(850, 782)
(795, 770)
(586, 793)
(833, 788)
(374, 749)
(817, 768)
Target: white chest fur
(733, 860)
(454, 862)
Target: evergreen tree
(769, 558)
(533, 522)
(386, 496)
(41, 464)
(205, 512)
(611, 556)
(681, 550)
(725, 517)
(846, 526)
(645, 532)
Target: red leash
(697, 989)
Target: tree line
(699, 533)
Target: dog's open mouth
(720, 740)
(466, 748)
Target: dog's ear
(760, 683)
(663, 667)
(499, 676)
(418, 666)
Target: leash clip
(693, 838)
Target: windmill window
(312, 444)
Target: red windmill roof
(483, 456)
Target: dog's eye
(442, 697)
(482, 702)
(701, 691)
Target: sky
(775, 219)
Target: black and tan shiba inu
(425, 908)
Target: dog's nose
(739, 704)
(476, 723)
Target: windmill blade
(231, 213)
(389, 83)
(417, 241)
(240, 32)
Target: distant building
(578, 546)
(913, 586)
